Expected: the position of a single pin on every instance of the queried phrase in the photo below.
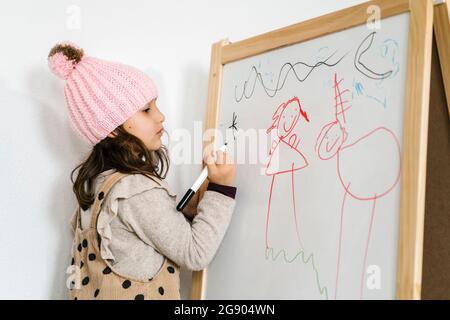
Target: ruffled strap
(102, 194)
(74, 219)
(127, 187)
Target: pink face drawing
(331, 138)
(286, 117)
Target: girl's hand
(221, 168)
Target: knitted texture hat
(100, 95)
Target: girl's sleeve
(153, 216)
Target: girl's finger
(220, 157)
(209, 159)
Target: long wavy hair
(127, 154)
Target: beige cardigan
(139, 225)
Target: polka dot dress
(94, 278)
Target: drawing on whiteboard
(375, 90)
(389, 51)
(330, 143)
(285, 146)
(363, 68)
(284, 120)
(301, 75)
(270, 253)
(360, 91)
(233, 125)
(323, 53)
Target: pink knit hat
(100, 95)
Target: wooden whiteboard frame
(415, 126)
(442, 31)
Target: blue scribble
(389, 50)
(322, 53)
(358, 87)
(383, 103)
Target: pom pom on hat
(63, 58)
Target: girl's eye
(146, 109)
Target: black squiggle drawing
(361, 67)
(233, 125)
(291, 66)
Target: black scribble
(271, 92)
(233, 125)
(361, 67)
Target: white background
(169, 40)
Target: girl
(129, 240)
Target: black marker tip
(185, 200)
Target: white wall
(170, 40)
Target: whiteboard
(318, 201)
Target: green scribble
(270, 254)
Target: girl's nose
(160, 116)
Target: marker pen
(190, 193)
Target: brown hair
(126, 153)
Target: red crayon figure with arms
(358, 163)
(284, 159)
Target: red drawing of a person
(284, 156)
(365, 153)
